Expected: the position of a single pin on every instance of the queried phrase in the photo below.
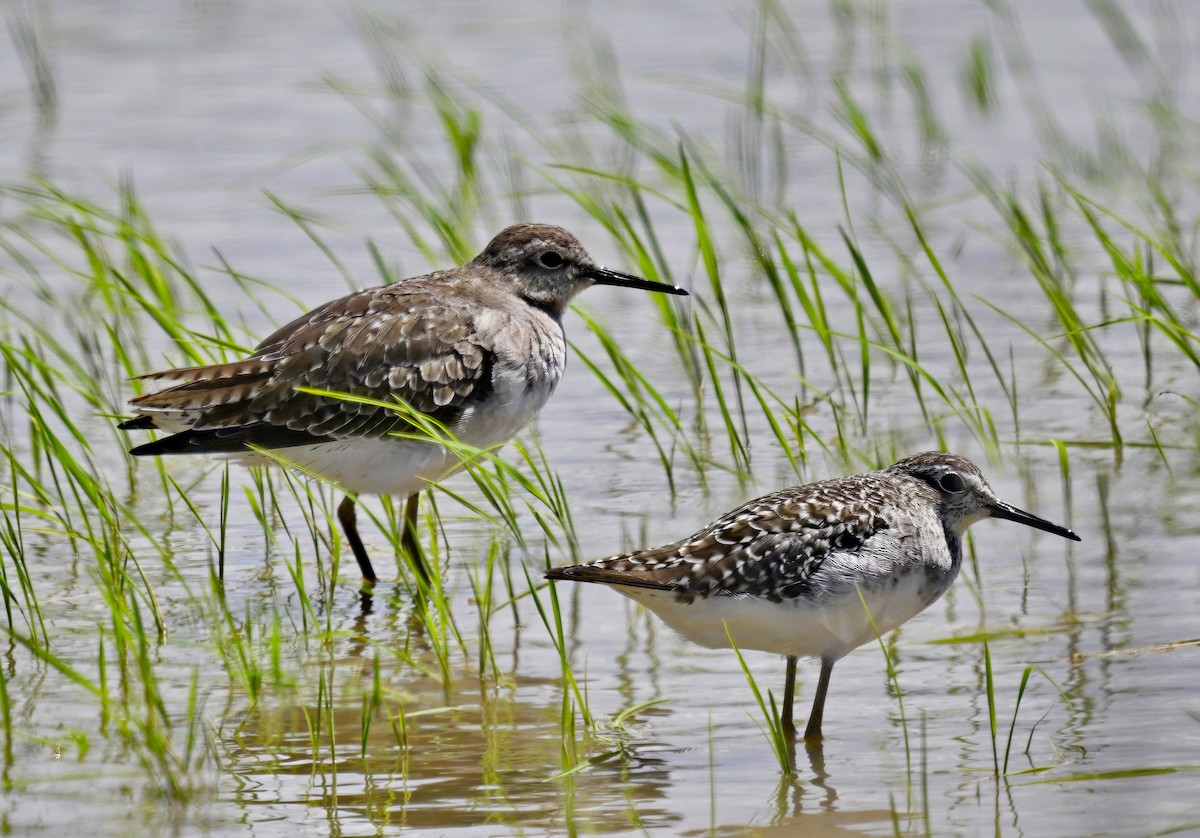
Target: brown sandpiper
(816, 570)
(479, 349)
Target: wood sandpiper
(479, 349)
(790, 572)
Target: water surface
(206, 107)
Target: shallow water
(203, 106)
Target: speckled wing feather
(406, 340)
(768, 548)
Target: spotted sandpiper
(479, 349)
(791, 572)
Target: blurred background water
(212, 110)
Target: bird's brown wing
(770, 547)
(405, 341)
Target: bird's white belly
(394, 465)
(830, 628)
(366, 465)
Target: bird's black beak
(1011, 513)
(603, 276)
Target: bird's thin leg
(789, 692)
(408, 539)
(348, 518)
(813, 731)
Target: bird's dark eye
(952, 483)
(550, 260)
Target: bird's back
(438, 343)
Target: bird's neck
(954, 545)
(552, 308)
